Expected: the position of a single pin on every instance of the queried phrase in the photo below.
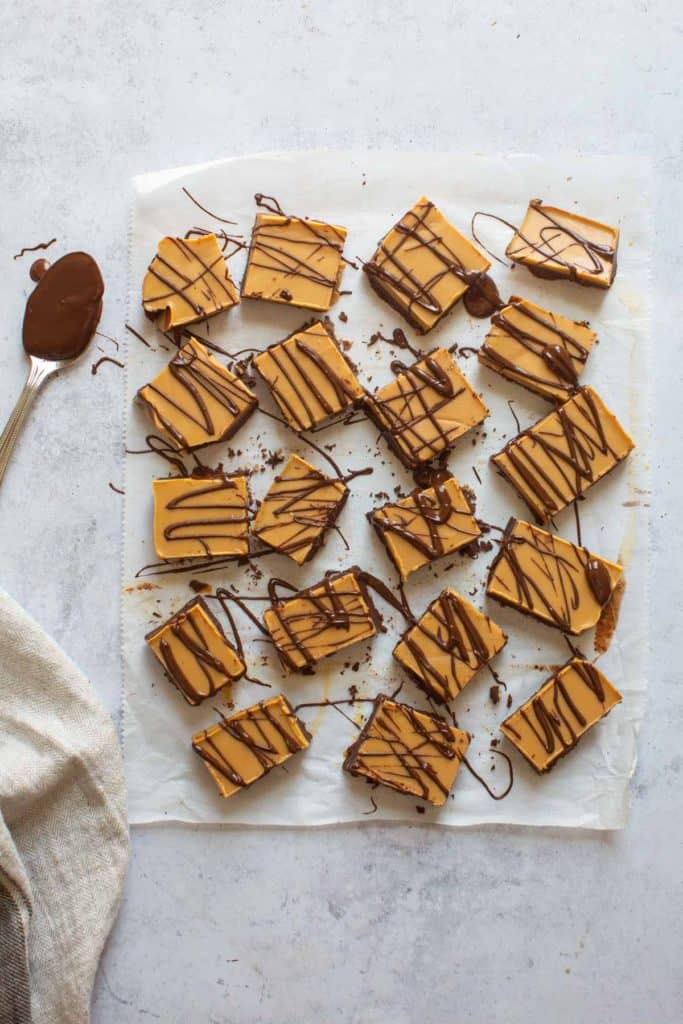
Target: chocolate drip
(599, 580)
(398, 339)
(34, 248)
(484, 783)
(38, 269)
(64, 308)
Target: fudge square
(195, 652)
(298, 508)
(309, 377)
(195, 400)
(322, 620)
(553, 720)
(426, 408)
(201, 516)
(424, 265)
(240, 750)
(448, 645)
(294, 261)
(549, 578)
(407, 750)
(188, 280)
(555, 243)
(542, 351)
(426, 525)
(558, 459)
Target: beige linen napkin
(63, 828)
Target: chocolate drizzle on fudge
(408, 750)
(555, 461)
(426, 408)
(545, 576)
(243, 748)
(418, 271)
(539, 350)
(554, 719)
(196, 401)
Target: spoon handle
(38, 374)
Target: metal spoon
(61, 315)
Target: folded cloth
(63, 828)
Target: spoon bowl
(61, 317)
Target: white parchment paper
(367, 192)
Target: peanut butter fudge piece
(299, 507)
(242, 749)
(195, 400)
(556, 461)
(188, 280)
(550, 579)
(544, 352)
(295, 261)
(426, 408)
(554, 719)
(195, 652)
(408, 750)
(556, 243)
(448, 645)
(309, 377)
(201, 516)
(424, 265)
(322, 620)
(426, 525)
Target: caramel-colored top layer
(320, 621)
(195, 401)
(295, 261)
(556, 243)
(309, 377)
(408, 750)
(544, 352)
(195, 652)
(243, 748)
(188, 280)
(551, 579)
(424, 265)
(552, 722)
(201, 516)
(445, 648)
(426, 525)
(426, 408)
(299, 506)
(560, 457)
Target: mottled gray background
(358, 925)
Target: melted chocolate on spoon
(64, 308)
